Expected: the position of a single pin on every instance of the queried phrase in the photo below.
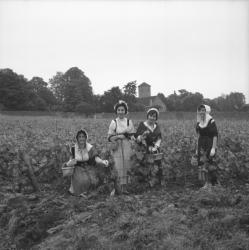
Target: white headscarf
(208, 117)
(88, 145)
(153, 110)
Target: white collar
(150, 127)
(121, 120)
(203, 124)
(88, 146)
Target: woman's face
(202, 113)
(81, 139)
(152, 117)
(121, 112)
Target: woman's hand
(212, 152)
(120, 137)
(145, 133)
(154, 149)
(105, 162)
(71, 163)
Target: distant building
(145, 98)
(144, 90)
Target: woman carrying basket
(149, 135)
(206, 146)
(83, 157)
(120, 134)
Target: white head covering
(88, 145)
(208, 117)
(153, 110)
(121, 103)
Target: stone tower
(144, 90)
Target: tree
(72, 88)
(233, 101)
(111, 97)
(130, 90)
(191, 101)
(14, 90)
(236, 100)
(39, 87)
(57, 85)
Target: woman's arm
(71, 162)
(214, 133)
(100, 161)
(158, 143)
(197, 143)
(141, 133)
(112, 134)
(214, 146)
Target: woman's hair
(201, 107)
(153, 111)
(121, 104)
(81, 131)
(206, 107)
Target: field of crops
(36, 211)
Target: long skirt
(83, 179)
(122, 156)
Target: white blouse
(121, 127)
(82, 154)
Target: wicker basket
(155, 157)
(67, 171)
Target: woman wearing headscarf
(206, 145)
(149, 136)
(121, 131)
(149, 133)
(83, 156)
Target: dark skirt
(206, 163)
(83, 179)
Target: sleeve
(111, 131)
(158, 137)
(197, 127)
(72, 152)
(140, 130)
(159, 132)
(92, 154)
(213, 129)
(72, 155)
(131, 127)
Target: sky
(200, 46)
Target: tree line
(72, 92)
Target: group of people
(122, 134)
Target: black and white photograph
(124, 124)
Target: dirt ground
(169, 217)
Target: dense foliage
(36, 212)
(73, 91)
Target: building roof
(143, 84)
(146, 100)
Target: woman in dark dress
(206, 146)
(149, 135)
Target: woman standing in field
(149, 135)
(120, 133)
(83, 157)
(206, 146)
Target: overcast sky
(194, 45)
